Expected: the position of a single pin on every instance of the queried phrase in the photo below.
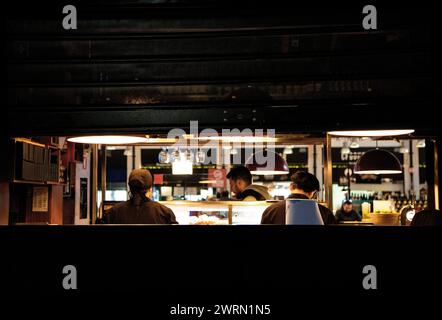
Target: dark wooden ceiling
(147, 66)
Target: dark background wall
(153, 65)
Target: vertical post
(320, 168)
(219, 160)
(134, 165)
(348, 177)
(129, 164)
(4, 203)
(436, 174)
(407, 177)
(230, 214)
(311, 159)
(138, 162)
(415, 160)
(94, 183)
(103, 175)
(328, 173)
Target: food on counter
(207, 219)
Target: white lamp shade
(302, 212)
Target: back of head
(240, 172)
(140, 181)
(305, 181)
(427, 218)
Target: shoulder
(158, 206)
(113, 214)
(324, 209)
(275, 207)
(274, 214)
(327, 215)
(249, 198)
(119, 206)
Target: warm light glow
(207, 181)
(410, 215)
(378, 172)
(161, 140)
(371, 133)
(268, 172)
(112, 139)
(233, 139)
(421, 144)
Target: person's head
(427, 217)
(347, 206)
(140, 182)
(240, 178)
(304, 183)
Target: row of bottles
(398, 200)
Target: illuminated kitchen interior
(189, 174)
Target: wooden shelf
(46, 183)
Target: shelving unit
(35, 165)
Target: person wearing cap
(241, 185)
(346, 213)
(140, 209)
(304, 186)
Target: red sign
(219, 178)
(157, 179)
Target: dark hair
(305, 181)
(347, 202)
(140, 180)
(427, 218)
(240, 172)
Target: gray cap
(140, 179)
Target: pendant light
(279, 166)
(371, 133)
(109, 139)
(378, 161)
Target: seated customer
(304, 186)
(346, 213)
(241, 185)
(140, 209)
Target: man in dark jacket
(346, 213)
(243, 188)
(140, 209)
(304, 186)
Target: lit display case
(217, 212)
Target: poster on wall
(40, 199)
(218, 176)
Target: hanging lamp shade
(274, 164)
(378, 161)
